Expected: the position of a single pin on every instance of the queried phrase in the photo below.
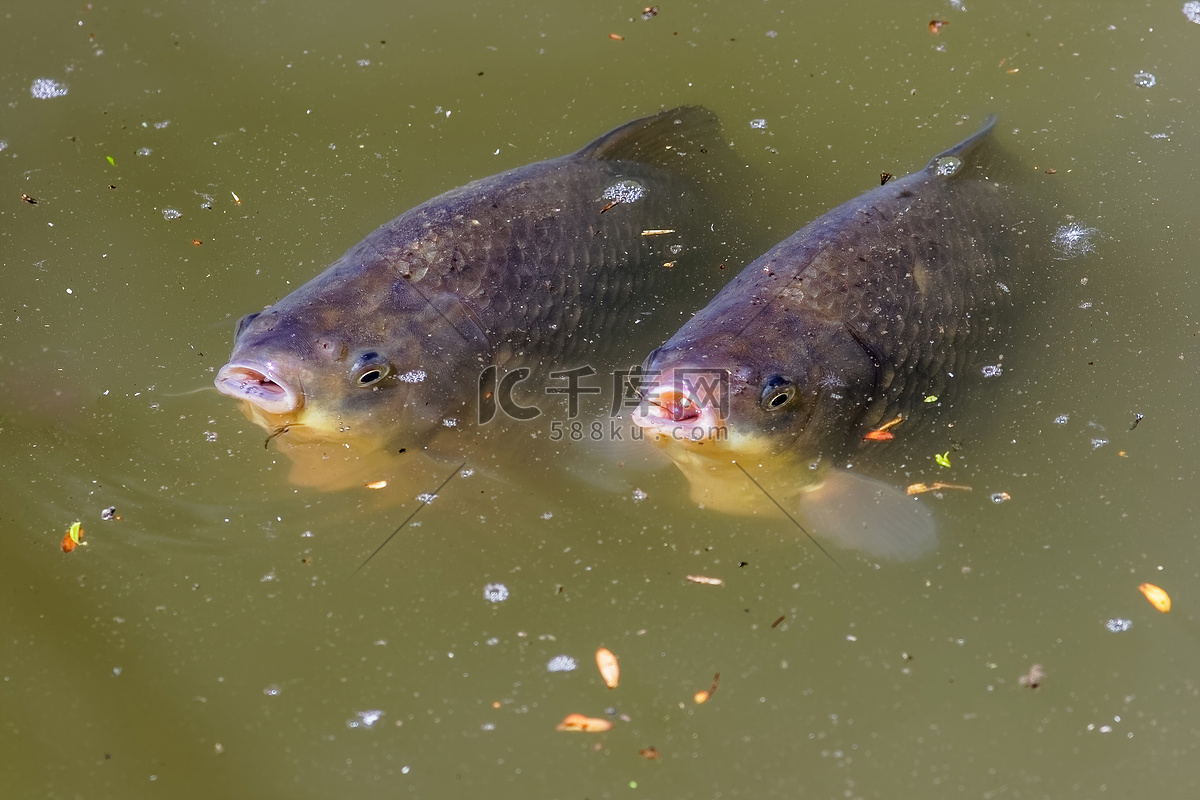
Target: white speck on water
(1073, 240)
(488, 726)
(638, 495)
(3, 144)
(1098, 443)
(144, 151)
(364, 719)
(1062, 419)
(495, 592)
(160, 125)
(772, 34)
(1000, 497)
(466, 472)
(992, 370)
(412, 376)
(364, 62)
(450, 423)
(272, 691)
(116, 672)
(492, 642)
(426, 497)
(210, 436)
(1191, 10)
(561, 664)
(626, 191)
(172, 213)
(758, 124)
(404, 770)
(1118, 625)
(850, 637)
(1144, 79)
(547, 515)
(46, 88)
(270, 576)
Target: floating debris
(495, 592)
(884, 177)
(704, 695)
(1118, 625)
(31, 200)
(758, 124)
(1001, 497)
(704, 579)
(921, 488)
(73, 537)
(1033, 679)
(943, 459)
(649, 753)
(658, 231)
(109, 513)
(171, 213)
(882, 433)
(649, 12)
(47, 88)
(1073, 240)
(364, 719)
(578, 722)
(1144, 79)
(935, 25)
(616, 37)
(1191, 10)
(562, 663)
(1157, 596)
(610, 670)
(377, 485)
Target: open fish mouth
(672, 411)
(256, 384)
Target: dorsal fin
(966, 147)
(659, 139)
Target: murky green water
(216, 642)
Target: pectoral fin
(854, 512)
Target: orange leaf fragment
(921, 488)
(578, 722)
(702, 696)
(68, 544)
(610, 670)
(616, 37)
(878, 436)
(1157, 596)
(935, 25)
(377, 485)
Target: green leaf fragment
(943, 458)
(931, 398)
(111, 162)
(76, 531)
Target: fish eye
(369, 369)
(778, 393)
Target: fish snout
(257, 385)
(675, 412)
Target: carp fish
(858, 318)
(556, 265)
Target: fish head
(341, 360)
(783, 392)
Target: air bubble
(495, 592)
(1144, 79)
(947, 166)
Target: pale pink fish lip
(671, 410)
(257, 384)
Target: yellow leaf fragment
(377, 484)
(610, 670)
(578, 722)
(1157, 596)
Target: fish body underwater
(851, 322)
(556, 265)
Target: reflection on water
(157, 660)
